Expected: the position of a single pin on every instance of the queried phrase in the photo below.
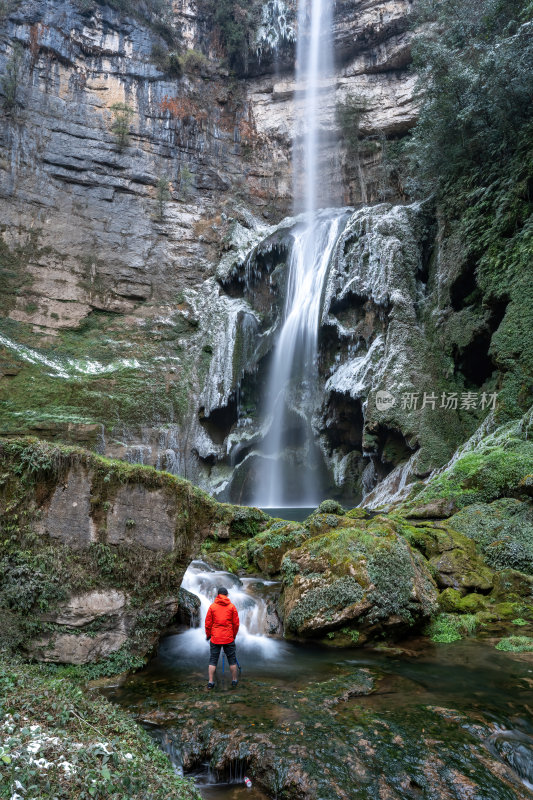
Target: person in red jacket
(221, 627)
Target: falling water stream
(294, 374)
(250, 596)
(287, 479)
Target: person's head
(222, 590)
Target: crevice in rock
(343, 422)
(473, 361)
(391, 449)
(464, 291)
(219, 422)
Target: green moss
(116, 395)
(247, 522)
(357, 513)
(494, 468)
(38, 573)
(340, 593)
(516, 644)
(450, 600)
(503, 530)
(266, 550)
(519, 621)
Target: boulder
(452, 556)
(367, 580)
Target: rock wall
(96, 551)
(114, 228)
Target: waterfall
(247, 594)
(284, 477)
(315, 87)
(293, 373)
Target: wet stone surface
(449, 721)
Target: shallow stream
(417, 721)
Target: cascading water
(293, 375)
(248, 596)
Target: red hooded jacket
(222, 621)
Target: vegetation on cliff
(472, 146)
(48, 557)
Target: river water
(349, 721)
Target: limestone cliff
(143, 191)
(123, 177)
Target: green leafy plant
(448, 628)
(516, 644)
(185, 181)
(11, 79)
(168, 61)
(162, 197)
(120, 127)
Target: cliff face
(120, 189)
(96, 551)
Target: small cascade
(255, 615)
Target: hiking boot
(234, 684)
(210, 685)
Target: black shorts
(229, 649)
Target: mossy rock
(452, 556)
(357, 513)
(266, 550)
(369, 580)
(510, 584)
(494, 467)
(222, 560)
(461, 570)
(503, 531)
(452, 601)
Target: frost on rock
(223, 318)
(239, 244)
(277, 27)
(355, 377)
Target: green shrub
(331, 507)
(166, 60)
(12, 77)
(233, 23)
(472, 149)
(120, 127)
(447, 628)
(516, 644)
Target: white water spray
(252, 641)
(283, 478)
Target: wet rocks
(355, 735)
(365, 579)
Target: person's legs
(231, 653)
(214, 653)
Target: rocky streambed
(422, 721)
